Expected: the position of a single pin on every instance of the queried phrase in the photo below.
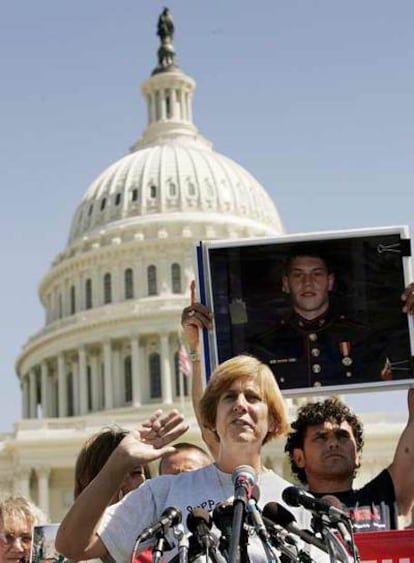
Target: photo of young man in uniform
(315, 344)
(320, 313)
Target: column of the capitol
(62, 390)
(136, 381)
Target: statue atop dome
(166, 51)
(165, 30)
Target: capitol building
(108, 351)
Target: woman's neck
(228, 461)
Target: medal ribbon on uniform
(345, 350)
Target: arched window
(88, 294)
(117, 199)
(103, 203)
(72, 300)
(134, 194)
(191, 187)
(176, 278)
(152, 280)
(128, 379)
(172, 189)
(181, 387)
(129, 283)
(155, 376)
(153, 191)
(70, 397)
(107, 287)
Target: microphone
(275, 513)
(244, 478)
(295, 496)
(199, 523)
(255, 515)
(258, 524)
(170, 517)
(223, 518)
(344, 527)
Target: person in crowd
(243, 406)
(95, 453)
(324, 449)
(18, 515)
(93, 456)
(186, 457)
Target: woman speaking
(243, 407)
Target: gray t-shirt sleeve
(122, 523)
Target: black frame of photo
(240, 282)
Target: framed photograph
(322, 310)
(43, 545)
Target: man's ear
(331, 281)
(299, 457)
(285, 284)
(358, 460)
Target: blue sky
(314, 98)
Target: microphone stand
(238, 520)
(161, 545)
(336, 548)
(244, 540)
(183, 543)
(261, 531)
(288, 550)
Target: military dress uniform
(329, 350)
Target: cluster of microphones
(225, 534)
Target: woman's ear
(272, 423)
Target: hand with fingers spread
(150, 439)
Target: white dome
(172, 177)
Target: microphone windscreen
(173, 514)
(291, 495)
(246, 472)
(223, 515)
(196, 516)
(278, 514)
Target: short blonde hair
(20, 509)
(248, 367)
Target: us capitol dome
(113, 297)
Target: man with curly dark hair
(324, 448)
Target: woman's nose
(240, 403)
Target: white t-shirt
(122, 523)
